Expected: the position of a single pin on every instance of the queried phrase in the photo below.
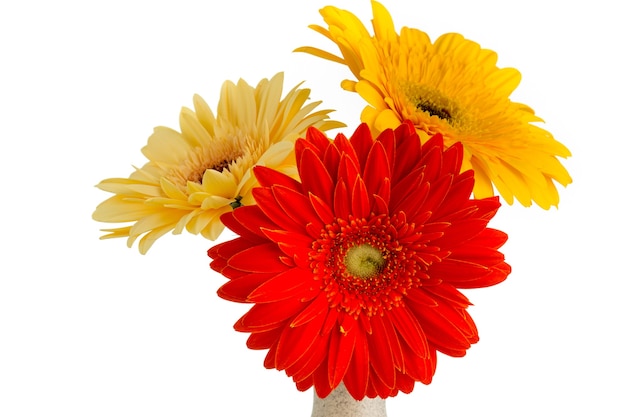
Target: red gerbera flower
(354, 271)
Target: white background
(91, 328)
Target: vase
(341, 404)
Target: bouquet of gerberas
(351, 250)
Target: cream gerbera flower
(195, 176)
(452, 87)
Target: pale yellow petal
(192, 130)
(146, 242)
(165, 145)
(218, 183)
(204, 114)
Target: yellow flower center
(219, 156)
(364, 261)
(425, 102)
(431, 101)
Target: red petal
(377, 171)
(418, 368)
(341, 201)
(270, 358)
(408, 153)
(318, 139)
(304, 384)
(294, 342)
(288, 238)
(262, 317)
(419, 296)
(295, 250)
(303, 368)
(273, 210)
(268, 177)
(348, 170)
(454, 271)
(491, 237)
(239, 289)
(432, 160)
(292, 283)
(409, 194)
(381, 356)
(478, 254)
(404, 383)
(388, 141)
(340, 351)
(227, 249)
(347, 151)
(360, 199)
(321, 380)
(438, 193)
(317, 307)
(452, 159)
(251, 219)
(487, 207)
(450, 213)
(436, 141)
(260, 258)
(362, 142)
(245, 229)
(296, 206)
(263, 340)
(314, 176)
(379, 204)
(394, 343)
(331, 160)
(495, 275)
(357, 374)
(448, 294)
(410, 330)
(460, 232)
(331, 320)
(447, 328)
(322, 209)
(378, 388)
(461, 189)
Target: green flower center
(364, 261)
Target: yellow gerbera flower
(195, 176)
(452, 87)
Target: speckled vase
(341, 404)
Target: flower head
(354, 270)
(452, 87)
(196, 175)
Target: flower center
(219, 156)
(430, 100)
(364, 261)
(197, 174)
(433, 110)
(367, 265)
